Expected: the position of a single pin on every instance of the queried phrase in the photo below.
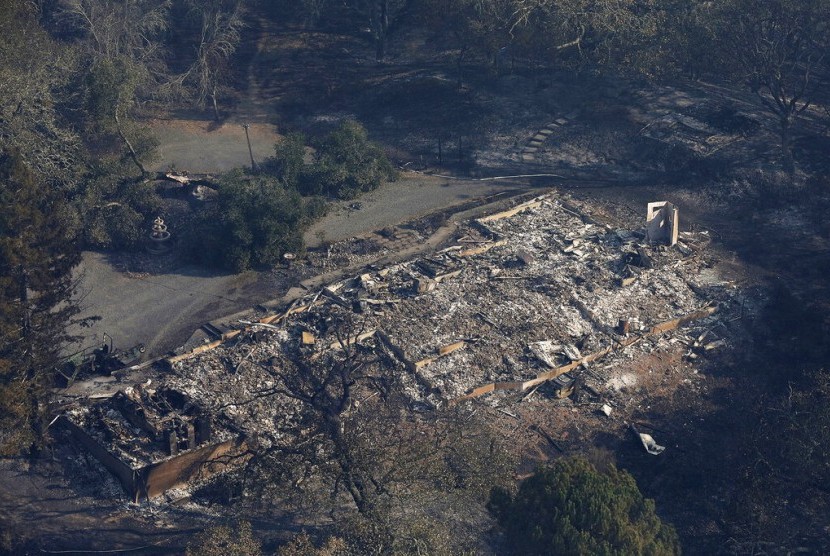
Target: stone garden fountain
(159, 238)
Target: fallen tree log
(185, 178)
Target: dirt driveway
(205, 146)
(412, 196)
(161, 309)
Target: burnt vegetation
(725, 103)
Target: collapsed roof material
(522, 297)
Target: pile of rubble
(142, 425)
(521, 292)
(533, 295)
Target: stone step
(528, 158)
(539, 137)
(561, 121)
(530, 149)
(545, 131)
(534, 143)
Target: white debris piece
(545, 351)
(650, 445)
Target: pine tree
(37, 255)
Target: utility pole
(250, 150)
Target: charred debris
(538, 297)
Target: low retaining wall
(199, 464)
(123, 472)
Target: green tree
(572, 508)
(253, 223)
(111, 86)
(348, 164)
(117, 204)
(50, 90)
(288, 163)
(37, 255)
(223, 540)
(35, 72)
(125, 60)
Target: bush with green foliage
(106, 84)
(254, 221)
(347, 164)
(572, 508)
(288, 163)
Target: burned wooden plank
(442, 352)
(544, 434)
(481, 249)
(533, 203)
(550, 375)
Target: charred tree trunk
(786, 144)
(215, 104)
(459, 65)
(352, 478)
(129, 146)
(24, 301)
(381, 29)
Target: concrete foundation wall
(155, 479)
(125, 474)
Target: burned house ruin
(542, 295)
(152, 439)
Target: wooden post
(250, 150)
